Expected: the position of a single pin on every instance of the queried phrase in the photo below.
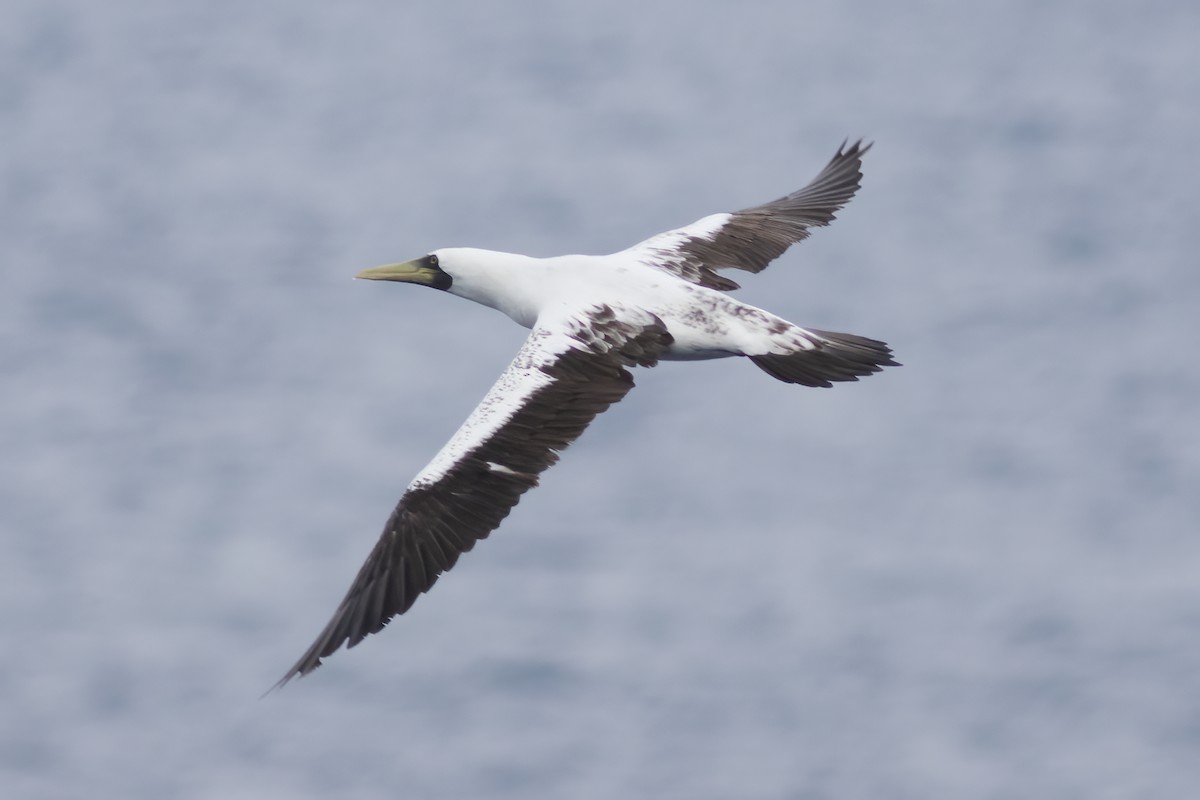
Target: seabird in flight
(590, 318)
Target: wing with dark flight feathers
(754, 237)
(559, 381)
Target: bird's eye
(433, 260)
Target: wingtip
(307, 663)
(282, 682)
(856, 149)
(277, 686)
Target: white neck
(513, 284)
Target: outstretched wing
(754, 237)
(562, 377)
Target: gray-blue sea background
(977, 576)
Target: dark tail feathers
(837, 357)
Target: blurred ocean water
(975, 576)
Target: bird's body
(590, 318)
(703, 323)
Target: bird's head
(425, 271)
(499, 280)
(506, 282)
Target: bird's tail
(836, 357)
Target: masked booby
(590, 317)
